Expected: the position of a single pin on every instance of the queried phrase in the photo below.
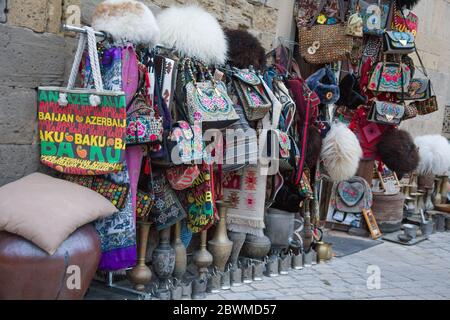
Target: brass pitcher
(220, 246)
(202, 258)
(141, 275)
(180, 253)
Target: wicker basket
(322, 44)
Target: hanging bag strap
(89, 39)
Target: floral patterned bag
(207, 102)
(251, 94)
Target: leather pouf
(27, 272)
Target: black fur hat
(406, 3)
(245, 50)
(350, 95)
(398, 151)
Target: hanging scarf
(118, 232)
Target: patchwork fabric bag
(386, 113)
(208, 101)
(144, 204)
(82, 131)
(251, 93)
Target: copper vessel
(220, 246)
(323, 251)
(180, 253)
(141, 275)
(202, 258)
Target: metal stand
(109, 282)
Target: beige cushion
(46, 210)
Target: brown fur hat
(244, 50)
(313, 146)
(398, 151)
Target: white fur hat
(434, 152)
(127, 20)
(193, 32)
(341, 153)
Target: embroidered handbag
(186, 143)
(143, 124)
(390, 77)
(355, 26)
(144, 204)
(251, 94)
(167, 209)
(404, 23)
(288, 105)
(208, 101)
(426, 106)
(396, 42)
(375, 15)
(325, 43)
(386, 113)
(182, 177)
(418, 89)
(199, 201)
(82, 131)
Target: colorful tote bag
(199, 202)
(82, 131)
(375, 14)
(207, 102)
(390, 77)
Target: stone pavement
(420, 272)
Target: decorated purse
(182, 177)
(143, 124)
(386, 113)
(426, 106)
(199, 202)
(418, 89)
(390, 77)
(402, 23)
(144, 204)
(410, 112)
(396, 42)
(375, 15)
(251, 93)
(208, 101)
(167, 209)
(115, 193)
(288, 105)
(186, 143)
(355, 26)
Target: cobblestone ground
(420, 272)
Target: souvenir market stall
(226, 163)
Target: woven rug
(245, 190)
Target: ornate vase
(307, 229)
(163, 259)
(202, 258)
(141, 275)
(180, 253)
(220, 246)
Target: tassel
(147, 169)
